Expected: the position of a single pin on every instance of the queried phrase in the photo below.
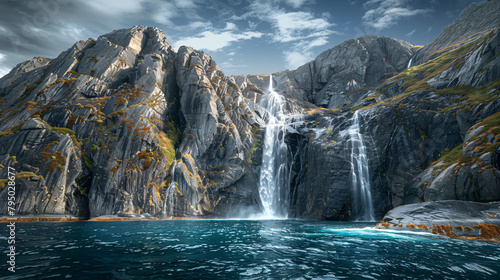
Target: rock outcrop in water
(452, 218)
(124, 125)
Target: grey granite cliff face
(104, 127)
(211, 167)
(341, 75)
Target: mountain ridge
(125, 125)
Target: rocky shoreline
(70, 218)
(452, 218)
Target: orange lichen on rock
(423, 227)
(56, 160)
(113, 170)
(142, 131)
(492, 216)
(446, 230)
(489, 232)
(40, 219)
(130, 123)
(411, 226)
(468, 229)
(461, 228)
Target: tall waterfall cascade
(362, 197)
(274, 175)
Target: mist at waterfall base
(243, 249)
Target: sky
(242, 36)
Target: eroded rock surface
(452, 218)
(103, 128)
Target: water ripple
(221, 249)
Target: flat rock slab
(452, 218)
(41, 218)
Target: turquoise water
(242, 249)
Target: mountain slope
(124, 125)
(410, 123)
(104, 127)
(474, 21)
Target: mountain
(106, 126)
(124, 125)
(431, 129)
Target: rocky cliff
(125, 125)
(431, 130)
(106, 126)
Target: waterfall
(273, 181)
(409, 63)
(362, 198)
(172, 185)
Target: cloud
(198, 25)
(302, 53)
(382, 14)
(295, 59)
(231, 66)
(215, 40)
(230, 26)
(409, 34)
(300, 31)
(295, 3)
(163, 12)
(298, 25)
(3, 70)
(48, 27)
(113, 7)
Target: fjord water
(362, 196)
(273, 177)
(243, 249)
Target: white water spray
(409, 63)
(360, 174)
(273, 182)
(170, 187)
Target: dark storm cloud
(43, 28)
(48, 27)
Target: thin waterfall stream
(360, 174)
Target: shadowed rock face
(339, 76)
(123, 125)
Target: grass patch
(4, 182)
(89, 162)
(167, 147)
